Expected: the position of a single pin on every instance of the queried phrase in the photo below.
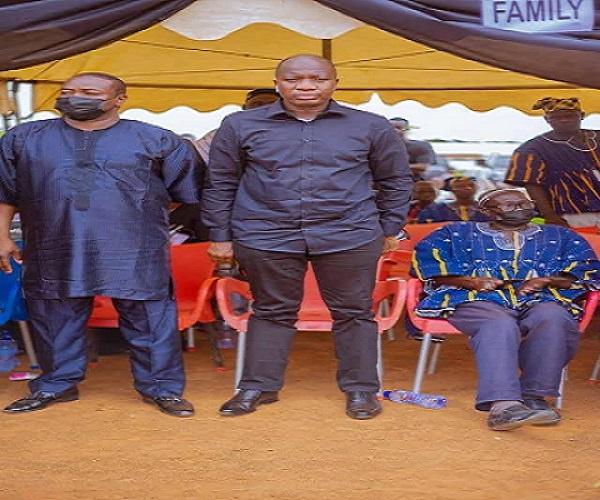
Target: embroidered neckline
(508, 243)
(589, 138)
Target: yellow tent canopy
(164, 69)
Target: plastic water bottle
(8, 352)
(432, 401)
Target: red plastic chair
(442, 327)
(195, 286)
(397, 264)
(313, 314)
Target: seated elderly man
(512, 287)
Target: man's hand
(8, 249)
(479, 284)
(536, 284)
(390, 244)
(221, 252)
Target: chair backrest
(417, 232)
(313, 314)
(312, 300)
(191, 266)
(397, 264)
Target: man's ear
(120, 100)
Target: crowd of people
(294, 178)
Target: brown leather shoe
(246, 401)
(172, 405)
(40, 399)
(362, 405)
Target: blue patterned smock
(475, 249)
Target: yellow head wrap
(549, 104)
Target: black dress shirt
(282, 184)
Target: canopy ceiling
(166, 66)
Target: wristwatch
(402, 235)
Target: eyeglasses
(509, 206)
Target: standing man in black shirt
(289, 183)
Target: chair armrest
(225, 287)
(395, 288)
(388, 261)
(204, 311)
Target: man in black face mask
(512, 287)
(93, 192)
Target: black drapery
(37, 31)
(455, 26)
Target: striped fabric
(570, 176)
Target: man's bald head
(300, 57)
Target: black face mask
(515, 217)
(80, 108)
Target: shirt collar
(276, 110)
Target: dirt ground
(110, 445)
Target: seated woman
(464, 207)
(512, 287)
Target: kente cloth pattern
(94, 205)
(281, 184)
(452, 211)
(570, 177)
(475, 249)
(549, 104)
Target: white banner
(538, 15)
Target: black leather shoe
(246, 401)
(513, 417)
(362, 405)
(40, 399)
(172, 405)
(547, 415)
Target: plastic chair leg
(423, 355)
(564, 376)
(435, 355)
(190, 339)
(380, 364)
(384, 310)
(29, 349)
(595, 371)
(239, 364)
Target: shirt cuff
(220, 235)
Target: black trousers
(346, 280)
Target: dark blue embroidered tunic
(94, 205)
